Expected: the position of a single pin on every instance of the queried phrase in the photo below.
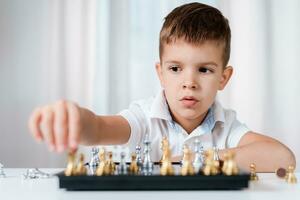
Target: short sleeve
(137, 122)
(237, 131)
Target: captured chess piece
(71, 166)
(187, 165)
(102, 161)
(166, 167)
(281, 172)
(81, 169)
(2, 174)
(229, 167)
(122, 167)
(199, 157)
(110, 167)
(211, 166)
(133, 167)
(290, 176)
(147, 167)
(253, 175)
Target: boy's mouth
(189, 101)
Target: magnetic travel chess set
(205, 171)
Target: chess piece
(199, 157)
(80, 169)
(253, 175)
(290, 176)
(187, 166)
(216, 153)
(110, 167)
(122, 167)
(147, 167)
(102, 161)
(211, 166)
(94, 162)
(166, 167)
(35, 173)
(138, 154)
(164, 146)
(184, 149)
(70, 170)
(229, 167)
(281, 172)
(133, 167)
(2, 174)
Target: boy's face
(191, 75)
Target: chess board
(154, 181)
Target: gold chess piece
(187, 165)
(253, 175)
(229, 166)
(211, 166)
(133, 167)
(290, 176)
(110, 167)
(81, 169)
(70, 169)
(164, 146)
(102, 158)
(166, 167)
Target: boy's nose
(190, 85)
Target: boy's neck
(189, 124)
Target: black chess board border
(153, 182)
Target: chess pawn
(187, 166)
(253, 175)
(2, 174)
(147, 167)
(102, 161)
(122, 167)
(166, 167)
(229, 167)
(133, 167)
(70, 170)
(290, 176)
(110, 167)
(211, 166)
(80, 169)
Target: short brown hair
(196, 23)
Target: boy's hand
(59, 124)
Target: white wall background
(102, 54)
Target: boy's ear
(226, 74)
(159, 73)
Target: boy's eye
(174, 68)
(204, 70)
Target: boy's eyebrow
(198, 64)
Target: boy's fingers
(34, 124)
(47, 127)
(60, 125)
(74, 125)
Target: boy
(194, 51)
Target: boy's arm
(265, 152)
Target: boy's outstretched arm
(266, 153)
(64, 125)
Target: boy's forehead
(180, 50)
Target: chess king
(194, 50)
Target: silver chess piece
(2, 174)
(216, 153)
(138, 152)
(94, 162)
(147, 167)
(122, 167)
(199, 155)
(35, 173)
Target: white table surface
(14, 186)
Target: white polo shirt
(220, 127)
